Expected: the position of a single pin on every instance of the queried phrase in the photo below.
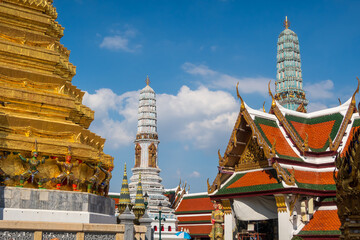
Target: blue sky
(194, 52)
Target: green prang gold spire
(289, 83)
(124, 199)
(139, 208)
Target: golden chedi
(44, 136)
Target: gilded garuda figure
(66, 172)
(32, 171)
(217, 219)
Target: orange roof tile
(254, 178)
(282, 147)
(195, 204)
(318, 133)
(323, 220)
(314, 177)
(194, 218)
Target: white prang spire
(147, 113)
(146, 157)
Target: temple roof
(303, 145)
(316, 129)
(194, 213)
(195, 203)
(322, 224)
(266, 181)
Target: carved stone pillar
(146, 221)
(127, 218)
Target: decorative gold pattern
(226, 206)
(44, 5)
(147, 136)
(253, 157)
(38, 101)
(152, 155)
(306, 143)
(280, 203)
(216, 184)
(301, 107)
(347, 182)
(137, 155)
(283, 176)
(264, 107)
(293, 202)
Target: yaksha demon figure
(66, 172)
(32, 171)
(94, 180)
(104, 186)
(217, 219)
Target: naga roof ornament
(256, 134)
(352, 108)
(279, 115)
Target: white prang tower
(146, 163)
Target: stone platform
(24, 204)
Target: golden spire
(286, 23)
(147, 80)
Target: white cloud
(218, 80)
(194, 174)
(316, 106)
(120, 40)
(320, 90)
(201, 69)
(115, 115)
(198, 118)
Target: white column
(285, 226)
(228, 226)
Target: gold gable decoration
(251, 152)
(252, 158)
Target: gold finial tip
(286, 23)
(147, 80)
